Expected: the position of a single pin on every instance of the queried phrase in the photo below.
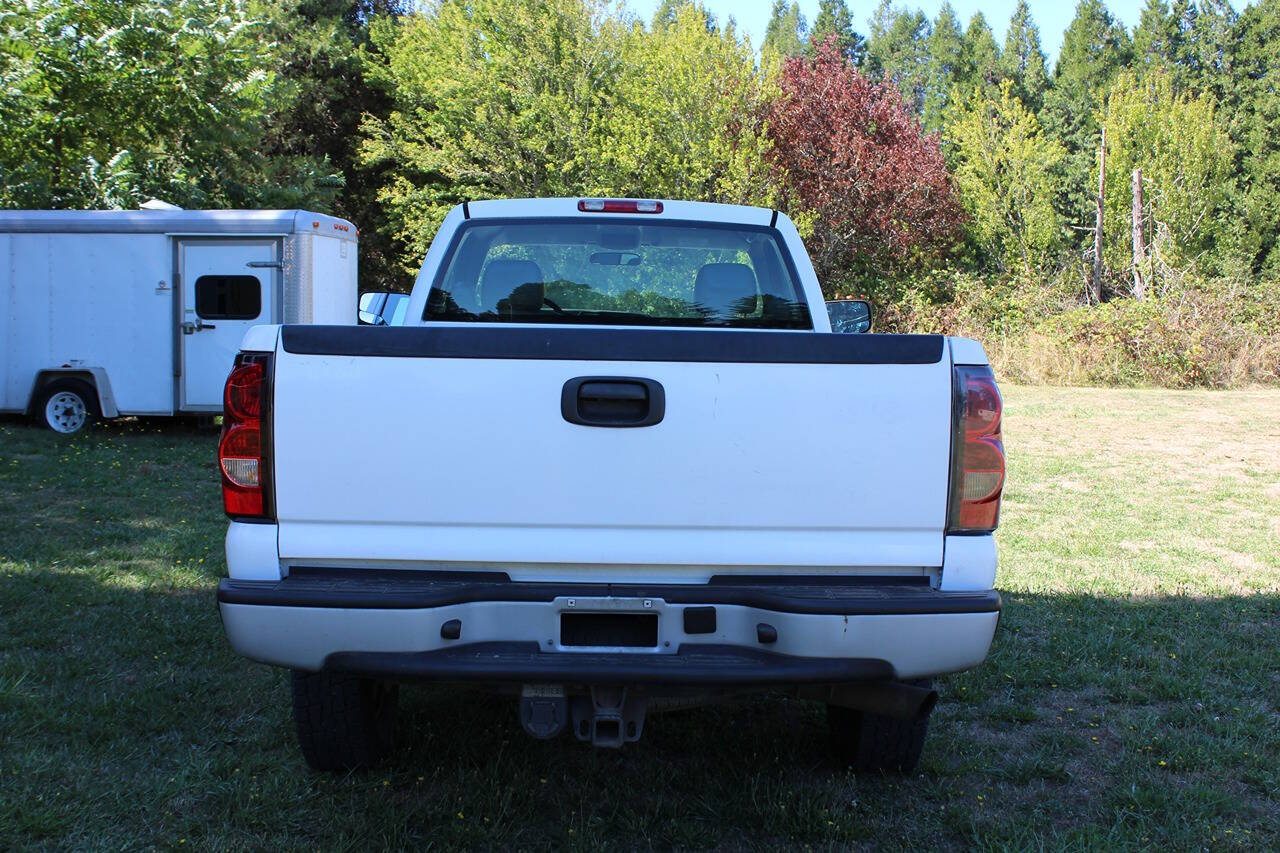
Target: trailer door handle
(190, 328)
(613, 401)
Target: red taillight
(618, 205)
(240, 451)
(977, 475)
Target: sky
(1052, 16)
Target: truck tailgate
(777, 451)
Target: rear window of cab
(618, 272)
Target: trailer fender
(95, 376)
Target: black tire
(344, 722)
(874, 743)
(67, 406)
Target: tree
(1155, 38)
(1190, 41)
(514, 98)
(106, 104)
(898, 52)
(785, 35)
(1023, 61)
(1005, 173)
(318, 44)
(669, 10)
(682, 118)
(1094, 49)
(835, 21)
(1186, 162)
(1255, 77)
(946, 62)
(852, 162)
(981, 63)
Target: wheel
(67, 406)
(344, 722)
(874, 743)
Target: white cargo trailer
(109, 313)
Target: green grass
(1132, 697)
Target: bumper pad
(729, 666)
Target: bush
(1209, 333)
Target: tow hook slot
(609, 717)
(544, 710)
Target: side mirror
(850, 316)
(369, 310)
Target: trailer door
(228, 285)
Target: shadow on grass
(1095, 721)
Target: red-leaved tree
(849, 153)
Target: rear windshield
(618, 272)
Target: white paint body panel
(480, 467)
(251, 551)
(93, 291)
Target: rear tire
(874, 743)
(67, 406)
(344, 722)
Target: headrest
(503, 277)
(725, 291)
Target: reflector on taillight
(240, 451)
(977, 465)
(619, 205)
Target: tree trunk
(1097, 227)
(1139, 250)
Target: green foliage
(786, 33)
(1186, 161)
(1256, 90)
(1155, 37)
(981, 65)
(898, 52)
(108, 103)
(835, 21)
(316, 56)
(1023, 61)
(531, 98)
(1094, 49)
(1005, 171)
(946, 48)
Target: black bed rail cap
(595, 344)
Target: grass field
(1132, 697)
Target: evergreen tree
(1023, 61)
(898, 52)
(946, 61)
(1155, 37)
(980, 67)
(1212, 42)
(785, 34)
(834, 19)
(1256, 96)
(1095, 48)
(669, 10)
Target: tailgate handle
(613, 401)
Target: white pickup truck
(615, 461)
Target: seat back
(517, 283)
(726, 291)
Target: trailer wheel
(344, 722)
(67, 406)
(875, 743)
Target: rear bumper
(815, 630)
